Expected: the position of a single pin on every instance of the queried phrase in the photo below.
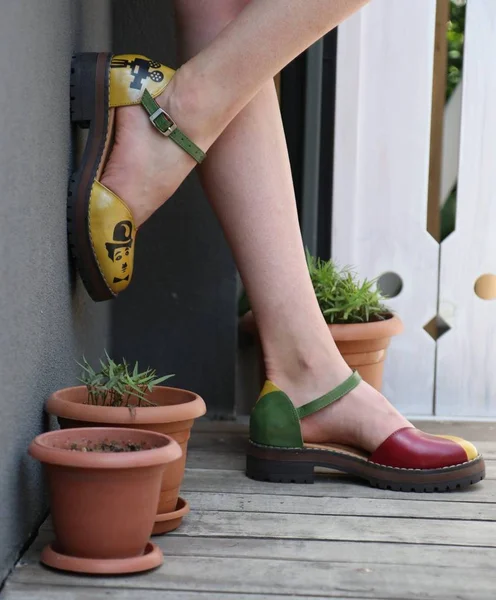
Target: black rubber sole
(89, 110)
(301, 470)
(279, 471)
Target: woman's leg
(209, 90)
(247, 179)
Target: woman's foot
(145, 168)
(129, 168)
(363, 419)
(397, 456)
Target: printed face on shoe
(119, 251)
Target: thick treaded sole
(287, 465)
(89, 110)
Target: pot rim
(167, 452)
(60, 406)
(345, 331)
(367, 331)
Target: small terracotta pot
(103, 503)
(362, 345)
(175, 414)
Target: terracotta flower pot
(103, 503)
(362, 345)
(175, 414)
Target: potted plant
(360, 323)
(120, 395)
(104, 485)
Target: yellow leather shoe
(102, 233)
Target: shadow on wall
(47, 318)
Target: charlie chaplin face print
(119, 250)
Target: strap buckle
(172, 126)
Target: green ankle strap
(338, 392)
(165, 124)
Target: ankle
(305, 377)
(187, 100)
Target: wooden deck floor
(338, 538)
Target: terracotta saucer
(151, 558)
(169, 521)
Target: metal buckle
(172, 127)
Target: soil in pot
(104, 503)
(171, 411)
(109, 446)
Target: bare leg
(209, 90)
(248, 181)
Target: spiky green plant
(117, 384)
(342, 297)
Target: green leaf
(162, 379)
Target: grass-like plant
(342, 296)
(117, 384)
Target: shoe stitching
(91, 192)
(368, 462)
(93, 245)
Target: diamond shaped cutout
(436, 327)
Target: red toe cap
(410, 448)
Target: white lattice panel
(466, 372)
(384, 89)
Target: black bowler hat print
(121, 238)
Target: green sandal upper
(166, 125)
(275, 421)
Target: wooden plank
(326, 527)
(437, 118)
(466, 385)
(210, 459)
(416, 508)
(371, 507)
(230, 442)
(200, 480)
(359, 507)
(381, 169)
(269, 576)
(177, 544)
(22, 591)
(210, 523)
(206, 425)
(335, 552)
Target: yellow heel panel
(268, 388)
(130, 74)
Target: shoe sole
(287, 465)
(89, 110)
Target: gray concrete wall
(46, 318)
(179, 315)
